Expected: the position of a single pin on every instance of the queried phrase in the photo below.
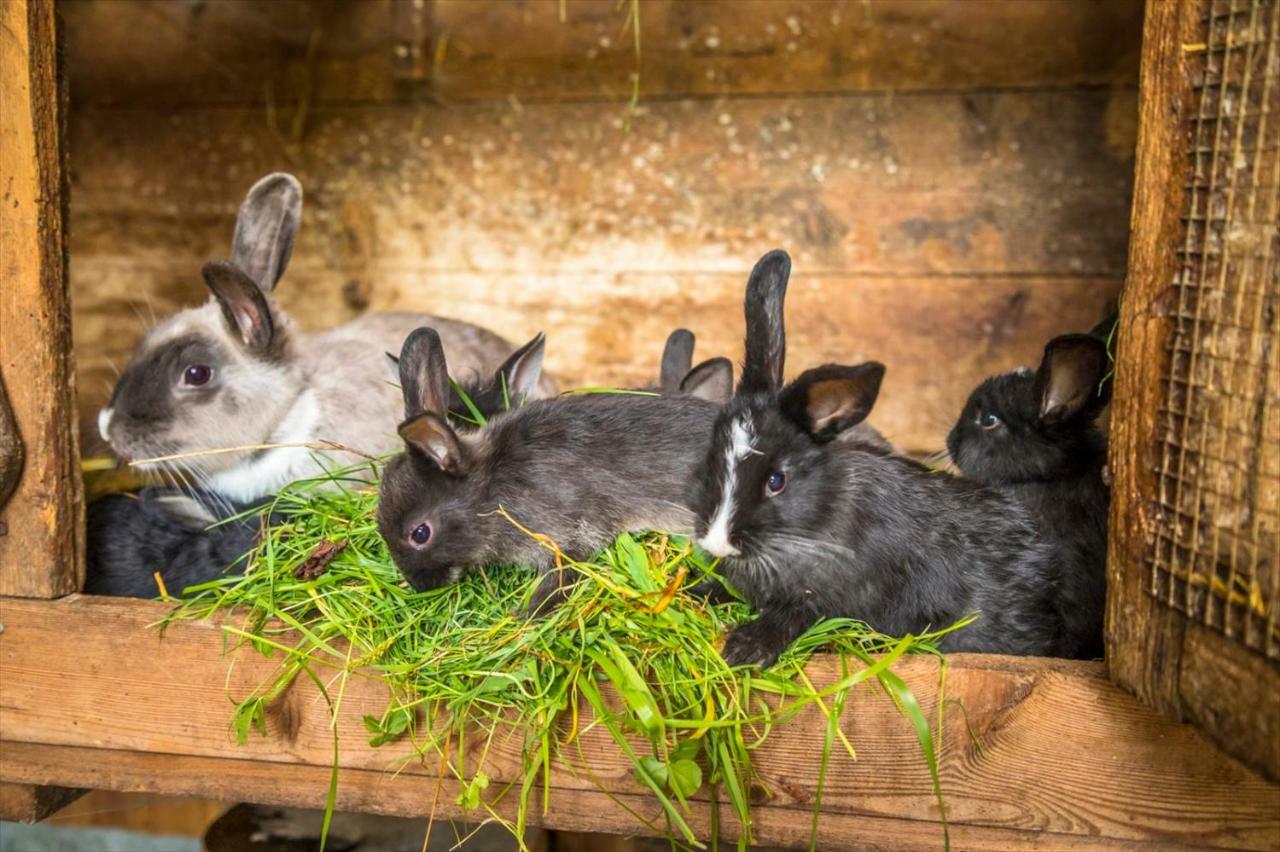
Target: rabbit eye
(421, 534)
(197, 374)
(776, 483)
(988, 421)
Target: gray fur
(579, 469)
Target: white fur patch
(716, 541)
(270, 470)
(104, 423)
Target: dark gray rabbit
(808, 527)
(579, 469)
(711, 380)
(196, 537)
(1032, 436)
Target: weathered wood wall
(952, 179)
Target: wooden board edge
(1143, 638)
(31, 802)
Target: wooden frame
(95, 696)
(1178, 666)
(42, 526)
(1046, 754)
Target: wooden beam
(42, 525)
(227, 52)
(29, 803)
(94, 696)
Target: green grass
(460, 657)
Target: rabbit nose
(716, 542)
(104, 423)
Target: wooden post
(42, 526)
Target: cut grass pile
(462, 658)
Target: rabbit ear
(431, 436)
(1070, 382)
(522, 370)
(766, 347)
(424, 374)
(243, 304)
(265, 228)
(825, 401)
(711, 380)
(677, 359)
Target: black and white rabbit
(807, 527)
(580, 469)
(196, 537)
(1032, 436)
(711, 380)
(235, 374)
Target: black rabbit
(1032, 436)
(711, 380)
(131, 537)
(807, 527)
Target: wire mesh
(1216, 551)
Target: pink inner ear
(246, 318)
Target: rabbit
(235, 373)
(806, 527)
(196, 537)
(711, 380)
(130, 537)
(578, 469)
(1032, 436)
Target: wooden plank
(32, 803)
(1144, 639)
(1063, 752)
(226, 52)
(949, 236)
(41, 526)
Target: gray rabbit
(579, 469)
(235, 373)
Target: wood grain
(92, 693)
(286, 51)
(42, 525)
(946, 236)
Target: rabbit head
(427, 501)
(1025, 426)
(766, 469)
(222, 374)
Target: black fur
(579, 469)
(1053, 467)
(132, 536)
(875, 537)
(766, 338)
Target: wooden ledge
(92, 696)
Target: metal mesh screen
(1216, 554)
